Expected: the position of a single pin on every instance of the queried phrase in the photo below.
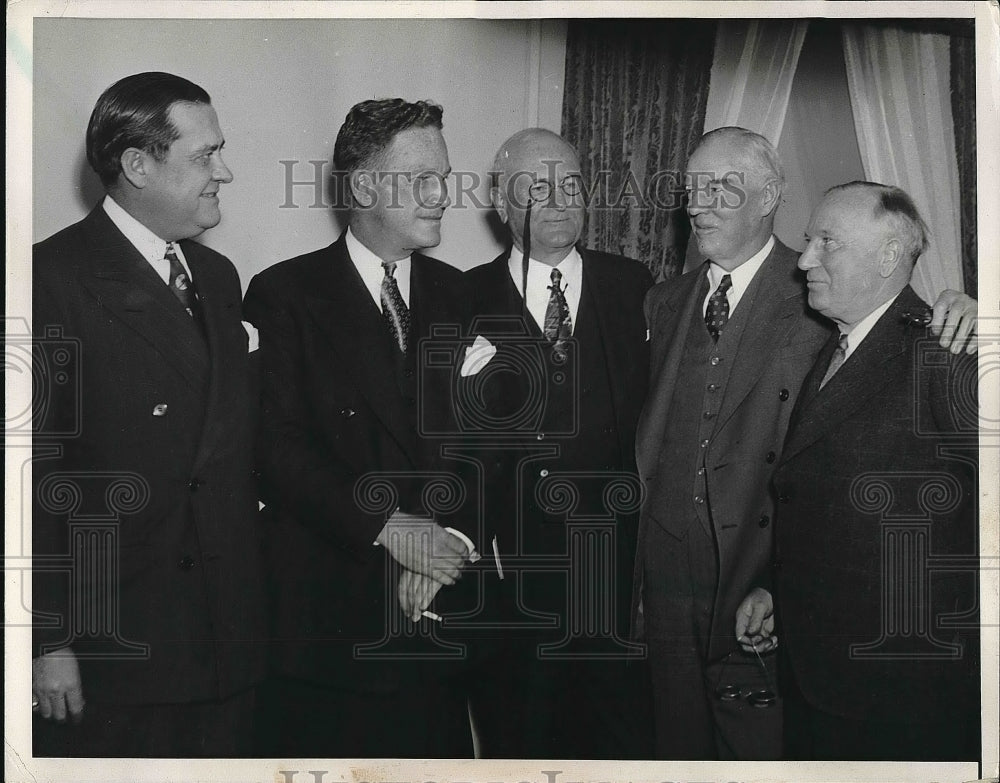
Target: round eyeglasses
(542, 189)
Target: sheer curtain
(634, 107)
(752, 74)
(900, 97)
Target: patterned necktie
(836, 360)
(558, 322)
(394, 309)
(717, 312)
(180, 283)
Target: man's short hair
(371, 125)
(135, 112)
(896, 205)
(764, 157)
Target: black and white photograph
(479, 392)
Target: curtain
(752, 74)
(963, 112)
(634, 108)
(900, 97)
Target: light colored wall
(282, 89)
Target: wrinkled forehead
(544, 160)
(850, 210)
(722, 157)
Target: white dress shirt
(150, 246)
(741, 277)
(859, 331)
(372, 272)
(540, 278)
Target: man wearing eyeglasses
(562, 394)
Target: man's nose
(222, 172)
(808, 258)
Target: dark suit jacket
(614, 287)
(335, 414)
(778, 347)
(887, 449)
(144, 427)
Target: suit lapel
(610, 321)
(350, 321)
(879, 361)
(673, 320)
(774, 297)
(124, 283)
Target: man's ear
(890, 254)
(770, 197)
(134, 164)
(362, 184)
(499, 203)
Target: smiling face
(731, 200)
(400, 205)
(852, 259)
(541, 166)
(179, 195)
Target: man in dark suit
(877, 525)
(560, 399)
(147, 585)
(730, 345)
(355, 494)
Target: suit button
(540, 436)
(777, 565)
(708, 414)
(783, 395)
(347, 412)
(701, 471)
(407, 373)
(713, 387)
(194, 483)
(784, 497)
(704, 443)
(764, 521)
(186, 563)
(770, 457)
(543, 472)
(699, 499)
(160, 409)
(714, 361)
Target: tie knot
(389, 267)
(842, 343)
(725, 284)
(171, 251)
(556, 276)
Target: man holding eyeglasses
(562, 395)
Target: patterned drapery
(634, 107)
(963, 110)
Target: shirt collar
(540, 273)
(859, 331)
(364, 258)
(741, 276)
(149, 245)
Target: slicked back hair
(896, 205)
(135, 112)
(764, 157)
(370, 127)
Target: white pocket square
(253, 339)
(477, 356)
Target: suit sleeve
(298, 473)
(53, 416)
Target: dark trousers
(424, 718)
(526, 706)
(812, 734)
(691, 721)
(210, 729)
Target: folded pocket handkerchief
(477, 356)
(253, 339)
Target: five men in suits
(562, 395)
(354, 543)
(877, 525)
(148, 585)
(730, 345)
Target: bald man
(563, 394)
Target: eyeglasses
(756, 696)
(542, 189)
